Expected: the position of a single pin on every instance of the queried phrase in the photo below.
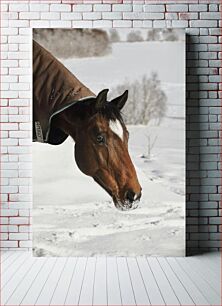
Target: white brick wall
(200, 17)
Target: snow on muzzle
(131, 202)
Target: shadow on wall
(193, 171)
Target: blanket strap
(38, 130)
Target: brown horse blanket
(55, 89)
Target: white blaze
(116, 127)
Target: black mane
(87, 108)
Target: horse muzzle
(130, 202)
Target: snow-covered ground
(72, 215)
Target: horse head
(101, 148)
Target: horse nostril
(131, 196)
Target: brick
(135, 15)
(204, 31)
(25, 126)
(19, 102)
(18, 23)
(216, 31)
(212, 94)
(9, 142)
(71, 16)
(122, 7)
(13, 158)
(4, 236)
(3, 220)
(19, 71)
(177, 8)
(208, 165)
(25, 244)
(19, 149)
(18, 236)
(60, 7)
(24, 31)
(8, 228)
(207, 15)
(161, 23)
(19, 39)
(203, 23)
(187, 16)
(19, 86)
(29, 15)
(208, 39)
(137, 7)
(9, 79)
(27, 47)
(147, 24)
(4, 7)
(215, 63)
(19, 118)
(215, 236)
(92, 15)
(18, 220)
(215, 220)
(210, 181)
(82, 24)
(19, 134)
(39, 7)
(122, 23)
(60, 23)
(24, 229)
(9, 173)
(102, 23)
(208, 205)
(9, 126)
(171, 16)
(18, 7)
(180, 23)
(213, 7)
(215, 126)
(214, 197)
(9, 31)
(197, 7)
(112, 15)
(154, 8)
(102, 7)
(9, 244)
(39, 23)
(82, 8)
(52, 15)
(215, 78)
(4, 23)
(199, 236)
(18, 55)
(9, 212)
(214, 47)
(208, 86)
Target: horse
(63, 106)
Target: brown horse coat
(55, 89)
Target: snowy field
(72, 215)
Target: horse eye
(100, 139)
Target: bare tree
(146, 100)
(162, 35)
(134, 36)
(65, 43)
(114, 36)
(150, 145)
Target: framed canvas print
(108, 142)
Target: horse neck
(69, 128)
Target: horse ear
(101, 99)
(121, 100)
